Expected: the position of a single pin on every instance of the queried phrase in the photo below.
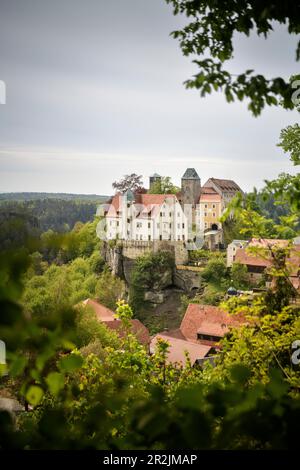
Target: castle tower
(190, 187)
(153, 178)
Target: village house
(109, 318)
(232, 249)
(201, 329)
(258, 262)
(194, 212)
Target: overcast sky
(95, 91)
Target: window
(178, 238)
(136, 237)
(141, 237)
(214, 206)
(205, 205)
(128, 221)
(206, 337)
(161, 214)
(160, 237)
(182, 225)
(205, 214)
(149, 225)
(128, 205)
(149, 238)
(170, 225)
(170, 214)
(205, 224)
(214, 214)
(178, 225)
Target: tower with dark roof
(190, 187)
(153, 179)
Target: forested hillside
(44, 214)
(27, 196)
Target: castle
(192, 213)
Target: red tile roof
(148, 203)
(210, 197)
(177, 348)
(209, 320)
(137, 328)
(255, 259)
(108, 317)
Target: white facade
(154, 217)
(232, 249)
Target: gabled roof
(264, 260)
(208, 320)
(190, 174)
(108, 317)
(223, 185)
(137, 328)
(149, 201)
(177, 348)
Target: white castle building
(173, 217)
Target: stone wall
(121, 259)
(134, 249)
(186, 280)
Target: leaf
(55, 382)
(70, 363)
(17, 366)
(34, 395)
(240, 373)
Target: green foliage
(215, 270)
(286, 189)
(149, 273)
(239, 276)
(210, 32)
(163, 185)
(90, 330)
(58, 214)
(109, 289)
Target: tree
(163, 185)
(286, 188)
(211, 32)
(239, 276)
(132, 182)
(109, 289)
(215, 271)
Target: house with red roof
(257, 262)
(109, 318)
(201, 329)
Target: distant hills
(62, 196)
